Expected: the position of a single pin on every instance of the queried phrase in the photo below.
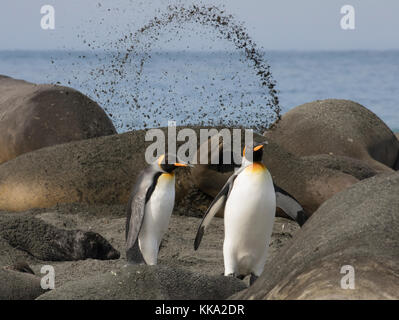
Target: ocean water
(175, 85)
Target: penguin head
(167, 163)
(256, 154)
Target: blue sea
(175, 85)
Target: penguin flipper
(135, 217)
(141, 193)
(290, 205)
(216, 205)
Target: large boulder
(141, 282)
(35, 116)
(357, 227)
(338, 127)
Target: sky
(273, 24)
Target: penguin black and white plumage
(249, 200)
(149, 209)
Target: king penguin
(249, 200)
(149, 209)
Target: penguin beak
(178, 164)
(262, 144)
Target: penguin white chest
(158, 210)
(249, 217)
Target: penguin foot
(252, 279)
(241, 277)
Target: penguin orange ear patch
(243, 152)
(160, 159)
(258, 147)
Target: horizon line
(262, 50)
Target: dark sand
(109, 221)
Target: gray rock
(338, 127)
(357, 227)
(148, 282)
(36, 116)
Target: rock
(357, 227)
(35, 116)
(19, 285)
(49, 243)
(338, 127)
(141, 282)
(310, 181)
(94, 171)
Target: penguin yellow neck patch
(256, 167)
(167, 175)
